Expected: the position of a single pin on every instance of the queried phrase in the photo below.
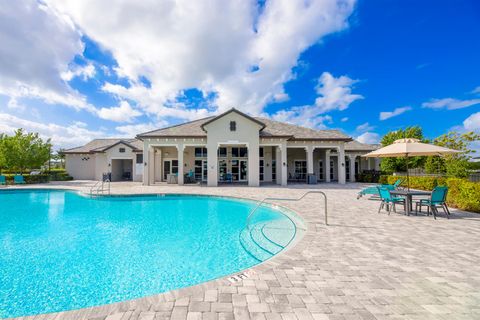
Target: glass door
(347, 169)
(320, 170)
(331, 170)
(243, 170)
(300, 170)
(166, 169)
(235, 170)
(262, 169)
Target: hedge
(40, 178)
(462, 194)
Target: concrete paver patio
(364, 265)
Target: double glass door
(169, 167)
(239, 170)
(201, 170)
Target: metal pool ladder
(100, 187)
(252, 212)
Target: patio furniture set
(392, 195)
(17, 179)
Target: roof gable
(246, 116)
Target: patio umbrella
(409, 147)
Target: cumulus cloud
(384, 115)
(365, 127)
(123, 113)
(369, 137)
(472, 123)
(334, 94)
(84, 72)
(450, 103)
(37, 46)
(241, 53)
(132, 130)
(71, 135)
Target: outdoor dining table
(408, 194)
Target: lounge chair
(3, 181)
(229, 178)
(373, 191)
(389, 200)
(18, 179)
(437, 199)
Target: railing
(252, 212)
(100, 187)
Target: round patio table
(408, 197)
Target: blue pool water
(60, 250)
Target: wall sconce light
(109, 164)
(145, 164)
(343, 164)
(268, 164)
(284, 164)
(185, 164)
(166, 154)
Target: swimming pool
(61, 250)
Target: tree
(2, 153)
(390, 165)
(453, 165)
(25, 150)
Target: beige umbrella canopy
(409, 147)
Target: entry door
(201, 170)
(320, 170)
(169, 166)
(243, 170)
(347, 169)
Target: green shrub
(383, 179)
(60, 176)
(29, 179)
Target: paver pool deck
(364, 265)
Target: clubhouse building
(229, 148)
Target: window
(222, 152)
(261, 152)
(331, 169)
(262, 164)
(239, 152)
(200, 152)
(274, 170)
(121, 150)
(222, 169)
(243, 152)
(347, 168)
(139, 158)
(233, 126)
(320, 170)
(300, 169)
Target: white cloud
(37, 46)
(476, 90)
(344, 119)
(334, 94)
(365, 127)
(472, 123)
(384, 115)
(132, 130)
(85, 72)
(450, 103)
(369, 137)
(123, 113)
(231, 48)
(62, 136)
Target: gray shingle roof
(272, 129)
(101, 145)
(355, 145)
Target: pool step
(265, 239)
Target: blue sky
(366, 67)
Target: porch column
(377, 164)
(327, 165)
(253, 165)
(309, 151)
(278, 160)
(151, 166)
(146, 164)
(283, 163)
(212, 164)
(341, 164)
(181, 165)
(352, 167)
(368, 163)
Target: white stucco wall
(80, 166)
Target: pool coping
(297, 243)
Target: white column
(181, 165)
(146, 165)
(368, 163)
(283, 163)
(327, 165)
(352, 167)
(377, 164)
(278, 160)
(253, 165)
(212, 165)
(341, 164)
(309, 151)
(151, 165)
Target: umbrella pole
(408, 177)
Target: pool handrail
(99, 186)
(252, 212)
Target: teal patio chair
(389, 200)
(3, 181)
(373, 191)
(437, 199)
(18, 179)
(229, 177)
